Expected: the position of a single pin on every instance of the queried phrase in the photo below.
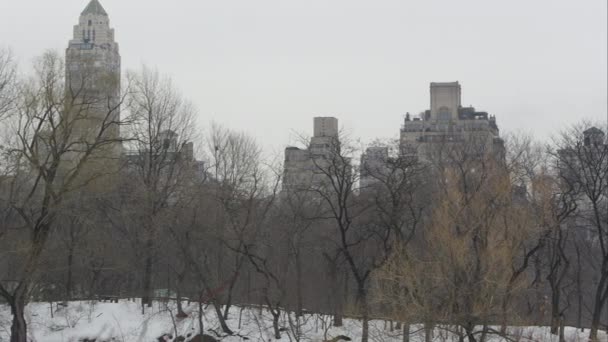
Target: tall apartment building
(302, 166)
(93, 84)
(448, 122)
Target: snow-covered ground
(124, 322)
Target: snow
(124, 322)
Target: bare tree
(296, 217)
(193, 238)
(582, 159)
(51, 157)
(360, 240)
(556, 204)
(228, 211)
(245, 192)
(533, 186)
(160, 156)
(241, 179)
(269, 262)
(393, 181)
(8, 82)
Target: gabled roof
(94, 7)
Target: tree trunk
(68, 285)
(241, 316)
(200, 318)
(365, 329)
(579, 289)
(239, 265)
(180, 308)
(555, 316)
(275, 324)
(147, 285)
(598, 304)
(299, 300)
(220, 318)
(364, 314)
(602, 288)
(227, 306)
(428, 332)
(470, 330)
(21, 294)
(406, 332)
(178, 294)
(504, 307)
(19, 325)
(562, 327)
(335, 296)
(228, 303)
(484, 333)
(93, 285)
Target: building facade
(303, 167)
(448, 122)
(93, 75)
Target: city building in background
(93, 72)
(448, 122)
(303, 168)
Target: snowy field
(124, 322)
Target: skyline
(268, 68)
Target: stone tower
(93, 88)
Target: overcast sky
(269, 66)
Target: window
(90, 22)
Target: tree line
(466, 238)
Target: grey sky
(267, 67)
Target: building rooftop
(94, 7)
(442, 84)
